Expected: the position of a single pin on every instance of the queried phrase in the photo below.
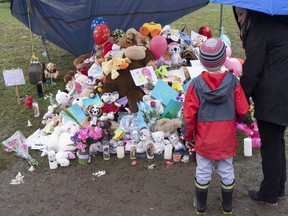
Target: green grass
(16, 52)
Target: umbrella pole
(221, 18)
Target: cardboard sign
(13, 77)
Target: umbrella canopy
(272, 7)
(67, 23)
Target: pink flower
(96, 133)
(82, 135)
(81, 146)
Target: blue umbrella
(272, 7)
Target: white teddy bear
(145, 139)
(62, 158)
(159, 141)
(154, 103)
(175, 141)
(62, 98)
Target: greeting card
(144, 75)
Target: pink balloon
(240, 60)
(228, 51)
(234, 65)
(158, 46)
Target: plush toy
(154, 104)
(112, 66)
(82, 63)
(62, 98)
(51, 71)
(124, 42)
(110, 106)
(106, 130)
(188, 54)
(174, 139)
(168, 126)
(151, 28)
(162, 71)
(89, 91)
(175, 51)
(139, 39)
(80, 81)
(62, 158)
(95, 111)
(145, 138)
(124, 84)
(98, 86)
(159, 141)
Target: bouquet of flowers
(83, 138)
(18, 145)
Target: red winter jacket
(212, 105)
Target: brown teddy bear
(81, 65)
(51, 71)
(138, 39)
(168, 126)
(124, 84)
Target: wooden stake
(17, 95)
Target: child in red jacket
(213, 103)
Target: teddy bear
(106, 130)
(124, 84)
(62, 98)
(144, 138)
(112, 66)
(175, 52)
(174, 139)
(62, 158)
(154, 104)
(159, 141)
(51, 71)
(82, 63)
(110, 107)
(168, 126)
(80, 81)
(139, 39)
(124, 42)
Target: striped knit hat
(212, 54)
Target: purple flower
(74, 138)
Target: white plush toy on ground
(145, 138)
(175, 141)
(159, 141)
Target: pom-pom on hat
(212, 54)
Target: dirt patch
(124, 189)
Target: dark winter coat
(265, 71)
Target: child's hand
(189, 144)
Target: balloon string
(33, 57)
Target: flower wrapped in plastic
(17, 144)
(83, 139)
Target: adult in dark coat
(265, 80)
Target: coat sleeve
(241, 104)
(190, 110)
(255, 50)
